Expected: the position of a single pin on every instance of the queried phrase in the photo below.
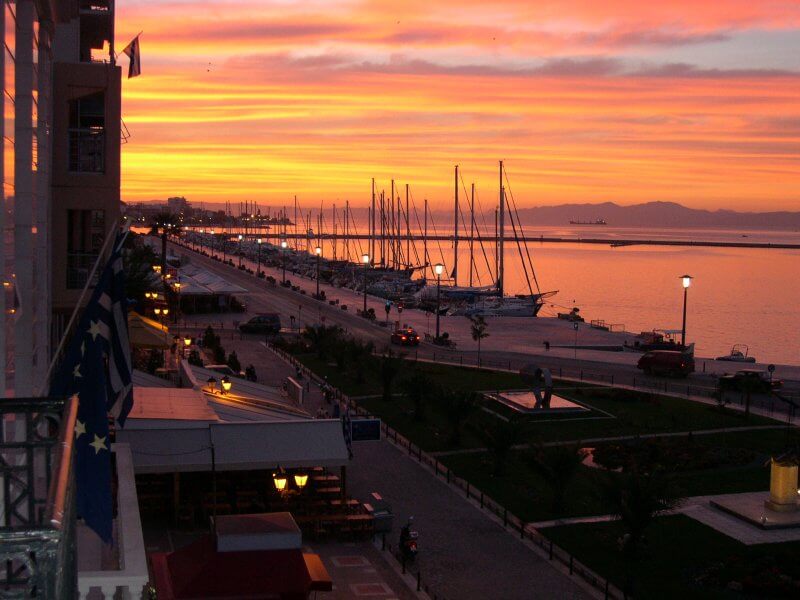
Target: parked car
(752, 379)
(265, 323)
(667, 362)
(405, 336)
(224, 370)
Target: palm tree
(500, 438)
(557, 465)
(418, 387)
(478, 327)
(636, 499)
(164, 224)
(138, 259)
(458, 406)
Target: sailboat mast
(347, 229)
(372, 225)
(334, 231)
(471, 231)
(383, 229)
(296, 241)
(408, 233)
(455, 231)
(425, 238)
(501, 236)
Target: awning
(146, 333)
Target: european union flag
(96, 367)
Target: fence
(509, 520)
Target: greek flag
(132, 52)
(97, 367)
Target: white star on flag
(98, 444)
(94, 329)
(80, 429)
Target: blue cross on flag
(97, 367)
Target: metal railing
(87, 150)
(37, 532)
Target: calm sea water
(738, 295)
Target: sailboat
(491, 300)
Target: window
(85, 236)
(87, 134)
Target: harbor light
(300, 480)
(241, 237)
(212, 384)
(258, 241)
(318, 250)
(226, 384)
(165, 311)
(438, 268)
(187, 341)
(365, 259)
(687, 280)
(284, 244)
(157, 311)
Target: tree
(636, 499)
(478, 327)
(557, 465)
(322, 337)
(500, 438)
(388, 367)
(418, 387)
(233, 362)
(458, 407)
(138, 260)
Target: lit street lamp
(438, 268)
(575, 347)
(687, 281)
(365, 260)
(241, 237)
(284, 245)
(318, 252)
(258, 267)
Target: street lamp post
(258, 267)
(687, 281)
(365, 260)
(241, 237)
(438, 268)
(575, 347)
(178, 286)
(318, 252)
(284, 245)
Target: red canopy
(199, 571)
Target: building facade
(60, 172)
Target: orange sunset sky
(693, 101)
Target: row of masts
(393, 226)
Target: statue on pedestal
(541, 384)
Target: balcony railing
(87, 150)
(37, 532)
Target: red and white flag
(132, 51)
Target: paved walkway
(463, 553)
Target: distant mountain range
(658, 214)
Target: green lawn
(684, 559)
(527, 495)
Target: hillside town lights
(365, 260)
(438, 268)
(687, 281)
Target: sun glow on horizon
(263, 100)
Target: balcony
(37, 532)
(87, 150)
(120, 572)
(79, 266)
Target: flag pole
(100, 257)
